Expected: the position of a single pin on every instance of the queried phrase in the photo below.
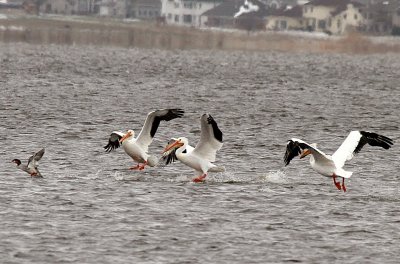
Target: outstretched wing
(152, 122)
(210, 138)
(294, 148)
(33, 160)
(355, 141)
(113, 141)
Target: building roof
(296, 11)
(332, 2)
(232, 7)
(382, 6)
(10, 5)
(106, 3)
(226, 9)
(12, 2)
(149, 2)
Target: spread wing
(294, 148)
(113, 141)
(355, 141)
(210, 138)
(152, 122)
(33, 160)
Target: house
(287, 18)
(11, 7)
(113, 8)
(10, 4)
(396, 22)
(244, 14)
(186, 12)
(145, 9)
(222, 15)
(379, 16)
(396, 17)
(68, 7)
(334, 16)
(107, 8)
(345, 18)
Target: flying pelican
(32, 166)
(137, 148)
(199, 158)
(332, 166)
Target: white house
(345, 18)
(286, 18)
(186, 12)
(335, 16)
(113, 8)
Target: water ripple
(89, 208)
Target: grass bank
(92, 31)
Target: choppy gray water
(90, 209)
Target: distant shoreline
(107, 32)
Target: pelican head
(128, 134)
(16, 161)
(307, 151)
(174, 144)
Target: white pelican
(332, 166)
(137, 148)
(32, 166)
(201, 157)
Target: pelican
(199, 158)
(137, 148)
(32, 166)
(332, 166)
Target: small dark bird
(32, 166)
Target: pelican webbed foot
(343, 187)
(137, 167)
(337, 184)
(200, 178)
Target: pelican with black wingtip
(201, 157)
(137, 148)
(33, 163)
(332, 166)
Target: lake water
(89, 208)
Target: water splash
(118, 176)
(278, 177)
(228, 177)
(96, 175)
(179, 178)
